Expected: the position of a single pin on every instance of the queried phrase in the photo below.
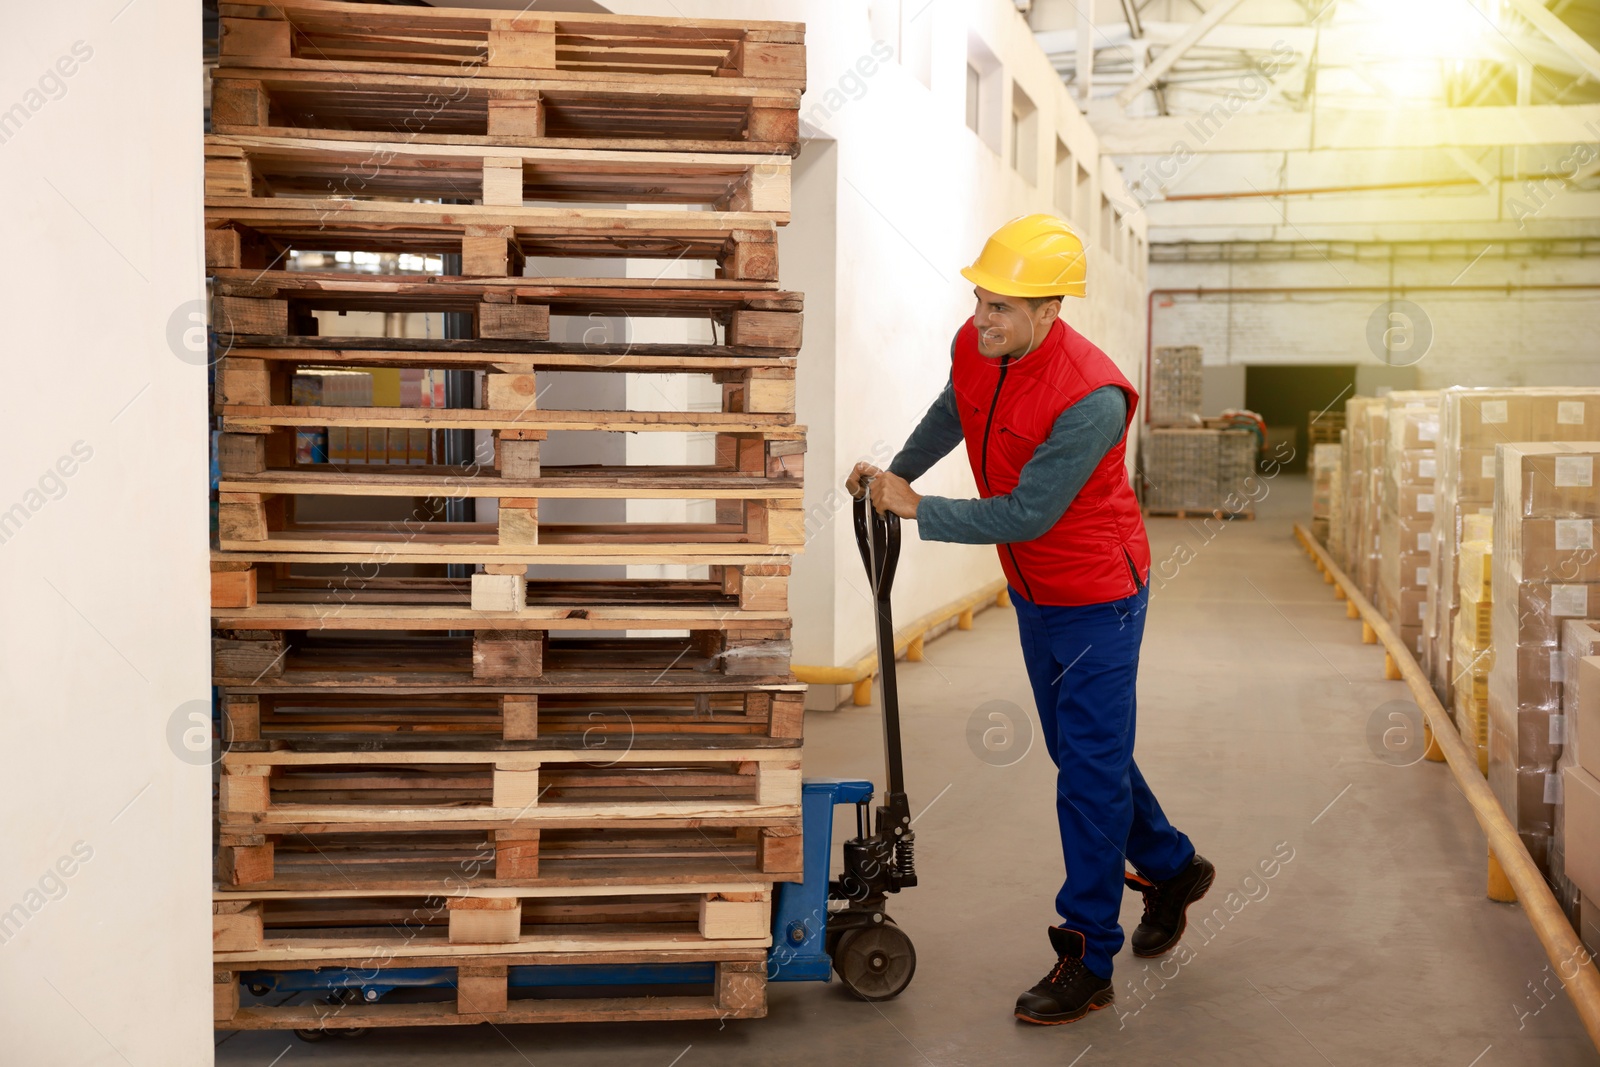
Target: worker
(1045, 415)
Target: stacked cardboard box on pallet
(1175, 383)
(1405, 524)
(1366, 436)
(1325, 461)
(1579, 832)
(1338, 505)
(500, 771)
(1580, 641)
(1471, 642)
(1545, 573)
(1197, 470)
(1471, 423)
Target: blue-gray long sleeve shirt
(1049, 482)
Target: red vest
(1091, 555)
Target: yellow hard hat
(1032, 255)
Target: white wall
(1481, 334)
(916, 195)
(106, 871)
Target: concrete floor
(1373, 944)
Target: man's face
(1008, 326)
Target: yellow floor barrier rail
(907, 639)
(1512, 873)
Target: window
(1061, 187)
(985, 87)
(1083, 203)
(974, 85)
(1108, 232)
(1024, 135)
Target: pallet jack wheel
(875, 962)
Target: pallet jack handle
(878, 538)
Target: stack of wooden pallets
(432, 758)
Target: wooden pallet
(290, 926)
(375, 106)
(243, 583)
(495, 659)
(599, 720)
(735, 988)
(567, 45)
(338, 858)
(263, 325)
(267, 520)
(493, 175)
(493, 241)
(1199, 513)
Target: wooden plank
(520, 1012)
(734, 919)
(496, 634)
(235, 315)
(520, 716)
(233, 588)
(525, 46)
(781, 788)
(507, 655)
(510, 392)
(245, 419)
(224, 995)
(528, 322)
(499, 592)
(235, 927)
(477, 920)
(441, 952)
(481, 990)
(742, 989)
(546, 483)
(292, 818)
(781, 849)
(515, 787)
(255, 37)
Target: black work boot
(1166, 905)
(1070, 991)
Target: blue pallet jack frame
(820, 926)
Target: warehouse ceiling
(1350, 120)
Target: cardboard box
(1520, 790)
(1558, 550)
(1475, 477)
(1581, 829)
(1492, 417)
(1413, 420)
(1574, 416)
(1531, 613)
(1411, 637)
(1549, 480)
(1586, 716)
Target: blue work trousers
(1083, 664)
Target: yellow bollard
(861, 692)
(1391, 669)
(1369, 636)
(1350, 609)
(1499, 885)
(1339, 593)
(1002, 599)
(1433, 753)
(1327, 576)
(964, 620)
(914, 650)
